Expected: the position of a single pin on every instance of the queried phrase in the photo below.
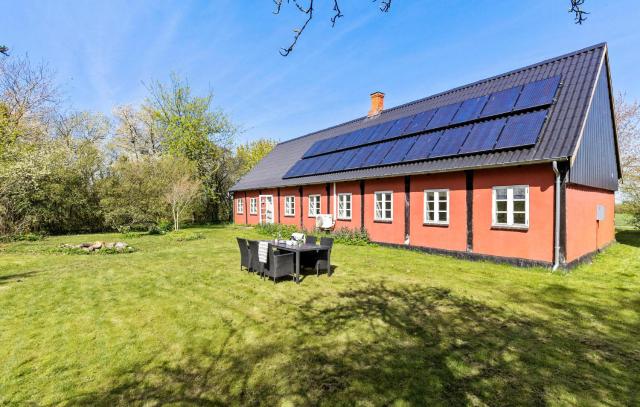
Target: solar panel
(351, 139)
(470, 109)
(483, 136)
(315, 147)
(443, 116)
(399, 127)
(422, 147)
(501, 102)
(522, 130)
(380, 132)
(359, 158)
(328, 163)
(295, 169)
(342, 161)
(345, 140)
(332, 144)
(378, 153)
(538, 93)
(399, 150)
(420, 121)
(450, 142)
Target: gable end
(595, 163)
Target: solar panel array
(506, 119)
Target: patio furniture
(308, 259)
(278, 264)
(245, 258)
(323, 259)
(254, 263)
(311, 239)
(298, 249)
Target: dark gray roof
(557, 140)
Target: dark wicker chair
(254, 263)
(245, 258)
(323, 258)
(308, 259)
(278, 265)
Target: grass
(176, 322)
(624, 221)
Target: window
(253, 206)
(289, 205)
(314, 205)
(240, 206)
(436, 206)
(344, 206)
(383, 206)
(511, 206)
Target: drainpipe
(335, 214)
(556, 236)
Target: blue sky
(102, 52)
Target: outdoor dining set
(279, 258)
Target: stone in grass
(120, 246)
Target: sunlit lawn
(178, 322)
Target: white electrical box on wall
(599, 212)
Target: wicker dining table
(303, 248)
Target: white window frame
(317, 208)
(343, 212)
(253, 206)
(290, 210)
(437, 194)
(240, 206)
(382, 218)
(510, 211)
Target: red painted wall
(354, 189)
(584, 233)
(535, 243)
(392, 232)
(452, 236)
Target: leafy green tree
(190, 128)
(250, 154)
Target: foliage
(75, 250)
(628, 129)
(179, 323)
(250, 154)
(342, 235)
(182, 189)
(187, 236)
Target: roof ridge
(458, 88)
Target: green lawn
(177, 322)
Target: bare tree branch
(385, 6)
(576, 8)
(4, 50)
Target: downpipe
(556, 235)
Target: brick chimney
(377, 103)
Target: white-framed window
(289, 205)
(383, 206)
(344, 206)
(314, 205)
(253, 206)
(436, 206)
(240, 206)
(511, 206)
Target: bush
(23, 237)
(187, 237)
(155, 230)
(276, 230)
(355, 237)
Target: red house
(520, 167)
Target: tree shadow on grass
(383, 345)
(628, 237)
(6, 279)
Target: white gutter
(556, 236)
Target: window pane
(430, 196)
(501, 218)
(501, 193)
(501, 205)
(430, 216)
(431, 206)
(443, 216)
(518, 206)
(519, 218)
(519, 193)
(443, 205)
